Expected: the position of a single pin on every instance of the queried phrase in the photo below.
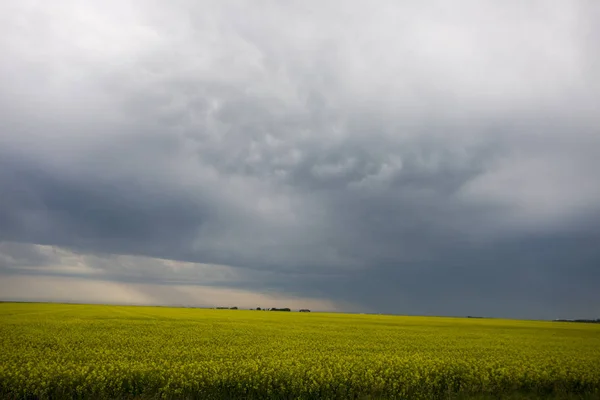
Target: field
(88, 351)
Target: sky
(404, 157)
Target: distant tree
(258, 308)
(280, 309)
(304, 310)
(233, 308)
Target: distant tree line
(589, 321)
(264, 309)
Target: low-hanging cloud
(402, 158)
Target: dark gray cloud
(398, 158)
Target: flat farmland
(55, 351)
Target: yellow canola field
(92, 351)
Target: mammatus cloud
(400, 158)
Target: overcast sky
(388, 156)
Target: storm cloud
(402, 158)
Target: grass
(93, 351)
